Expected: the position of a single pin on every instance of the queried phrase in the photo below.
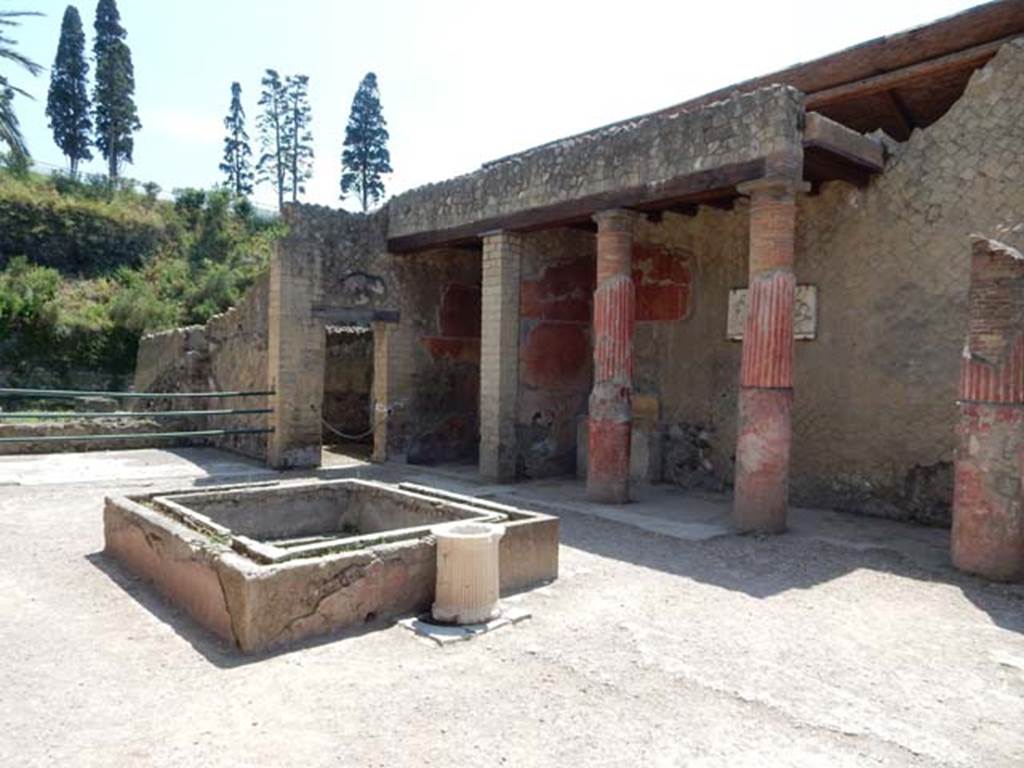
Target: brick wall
(499, 361)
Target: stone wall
(331, 267)
(874, 414)
(229, 353)
(642, 157)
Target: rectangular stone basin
(264, 565)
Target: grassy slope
(85, 270)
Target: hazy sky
(462, 82)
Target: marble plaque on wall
(805, 313)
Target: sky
(462, 81)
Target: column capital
(777, 186)
(616, 218)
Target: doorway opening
(346, 414)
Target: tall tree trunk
(112, 158)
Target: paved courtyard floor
(666, 641)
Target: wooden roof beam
(822, 133)
(969, 58)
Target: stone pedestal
(988, 505)
(610, 400)
(766, 374)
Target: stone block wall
(875, 396)
(874, 409)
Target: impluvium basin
(265, 565)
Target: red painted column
(988, 518)
(766, 374)
(611, 413)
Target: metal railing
(7, 417)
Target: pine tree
(10, 131)
(237, 165)
(115, 116)
(298, 139)
(272, 166)
(67, 104)
(365, 157)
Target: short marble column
(766, 375)
(610, 400)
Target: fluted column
(988, 500)
(766, 373)
(610, 400)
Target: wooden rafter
(961, 60)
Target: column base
(988, 521)
(608, 461)
(761, 497)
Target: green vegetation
(87, 267)
(10, 130)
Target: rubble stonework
(744, 129)
(871, 419)
(229, 353)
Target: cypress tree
(67, 104)
(298, 139)
(237, 165)
(365, 158)
(272, 165)
(116, 118)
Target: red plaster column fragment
(766, 373)
(988, 519)
(610, 400)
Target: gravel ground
(648, 650)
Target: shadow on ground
(766, 566)
(822, 546)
